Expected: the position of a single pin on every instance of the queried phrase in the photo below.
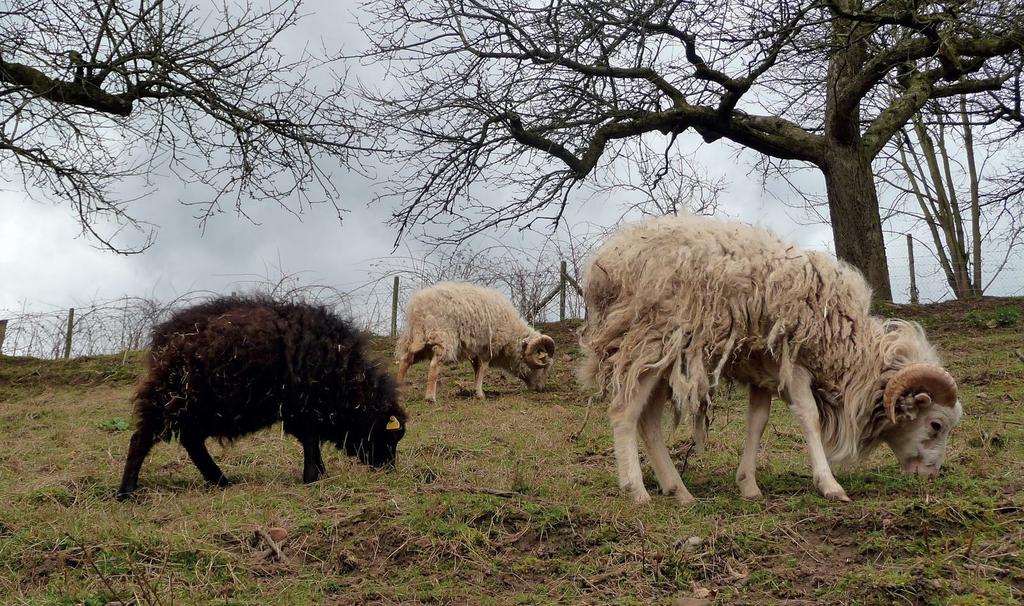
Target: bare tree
(941, 182)
(543, 95)
(96, 92)
(669, 185)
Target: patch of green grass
(1002, 317)
(115, 424)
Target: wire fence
(931, 280)
(116, 325)
(545, 289)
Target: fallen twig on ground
(275, 549)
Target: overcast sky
(46, 263)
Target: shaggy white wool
(696, 299)
(467, 320)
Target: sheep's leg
(480, 367)
(700, 425)
(142, 442)
(625, 417)
(195, 446)
(404, 363)
(435, 370)
(313, 463)
(661, 460)
(801, 402)
(757, 418)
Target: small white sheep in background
(676, 303)
(457, 321)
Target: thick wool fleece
(695, 299)
(233, 365)
(468, 321)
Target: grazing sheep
(456, 321)
(676, 303)
(234, 365)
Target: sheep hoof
(221, 482)
(838, 495)
(641, 499)
(480, 396)
(122, 496)
(640, 496)
(750, 492)
(685, 498)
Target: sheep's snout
(920, 468)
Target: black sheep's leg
(196, 448)
(142, 442)
(313, 463)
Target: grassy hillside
(508, 501)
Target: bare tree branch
(98, 96)
(538, 98)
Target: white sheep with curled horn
(674, 304)
(456, 321)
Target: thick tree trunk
(853, 209)
(849, 180)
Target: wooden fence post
(914, 294)
(561, 289)
(67, 338)
(3, 333)
(394, 309)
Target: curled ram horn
(539, 351)
(920, 378)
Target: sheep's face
(921, 404)
(382, 446)
(534, 378)
(920, 442)
(376, 444)
(537, 355)
(373, 437)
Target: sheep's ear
(393, 424)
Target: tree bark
(922, 193)
(972, 171)
(82, 93)
(856, 222)
(849, 180)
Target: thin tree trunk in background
(914, 294)
(929, 218)
(963, 261)
(972, 172)
(943, 211)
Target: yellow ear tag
(393, 424)
(542, 354)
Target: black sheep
(234, 365)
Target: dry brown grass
(508, 501)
